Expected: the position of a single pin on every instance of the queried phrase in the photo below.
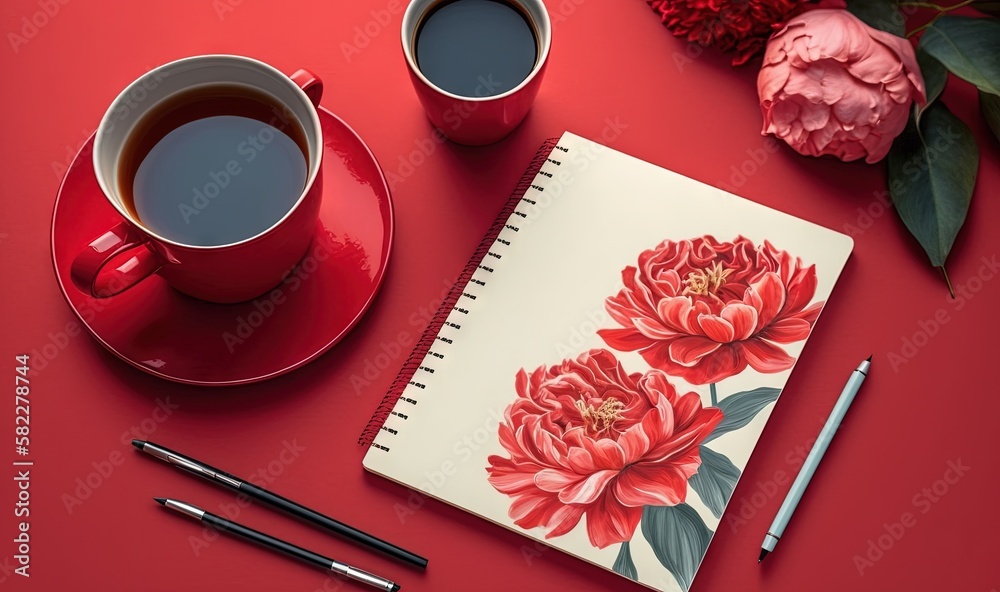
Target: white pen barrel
(817, 452)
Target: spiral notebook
(604, 367)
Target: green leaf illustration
(879, 14)
(968, 47)
(932, 172)
(715, 480)
(990, 106)
(623, 564)
(679, 539)
(935, 77)
(739, 409)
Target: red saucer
(179, 338)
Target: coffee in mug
(215, 174)
(476, 48)
(476, 65)
(213, 165)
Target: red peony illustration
(703, 310)
(585, 437)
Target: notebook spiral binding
(458, 291)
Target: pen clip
(201, 470)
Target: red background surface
(611, 61)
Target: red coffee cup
(129, 252)
(476, 120)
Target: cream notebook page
(604, 378)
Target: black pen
(270, 542)
(212, 474)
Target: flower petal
(610, 523)
(767, 295)
(564, 520)
(652, 329)
(720, 364)
(688, 351)
(766, 357)
(586, 491)
(650, 485)
(624, 339)
(787, 330)
(743, 318)
(716, 328)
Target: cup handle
(310, 83)
(88, 269)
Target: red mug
(476, 120)
(130, 252)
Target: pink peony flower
(703, 310)
(585, 437)
(831, 84)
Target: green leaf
(935, 77)
(739, 409)
(932, 171)
(990, 7)
(879, 14)
(990, 106)
(715, 480)
(679, 539)
(968, 47)
(623, 564)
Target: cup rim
(546, 30)
(314, 164)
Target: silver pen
(270, 542)
(813, 458)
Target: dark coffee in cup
(476, 48)
(213, 165)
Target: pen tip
(869, 359)
(161, 500)
(395, 587)
(138, 443)
(763, 554)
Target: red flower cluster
(703, 310)
(587, 438)
(740, 25)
